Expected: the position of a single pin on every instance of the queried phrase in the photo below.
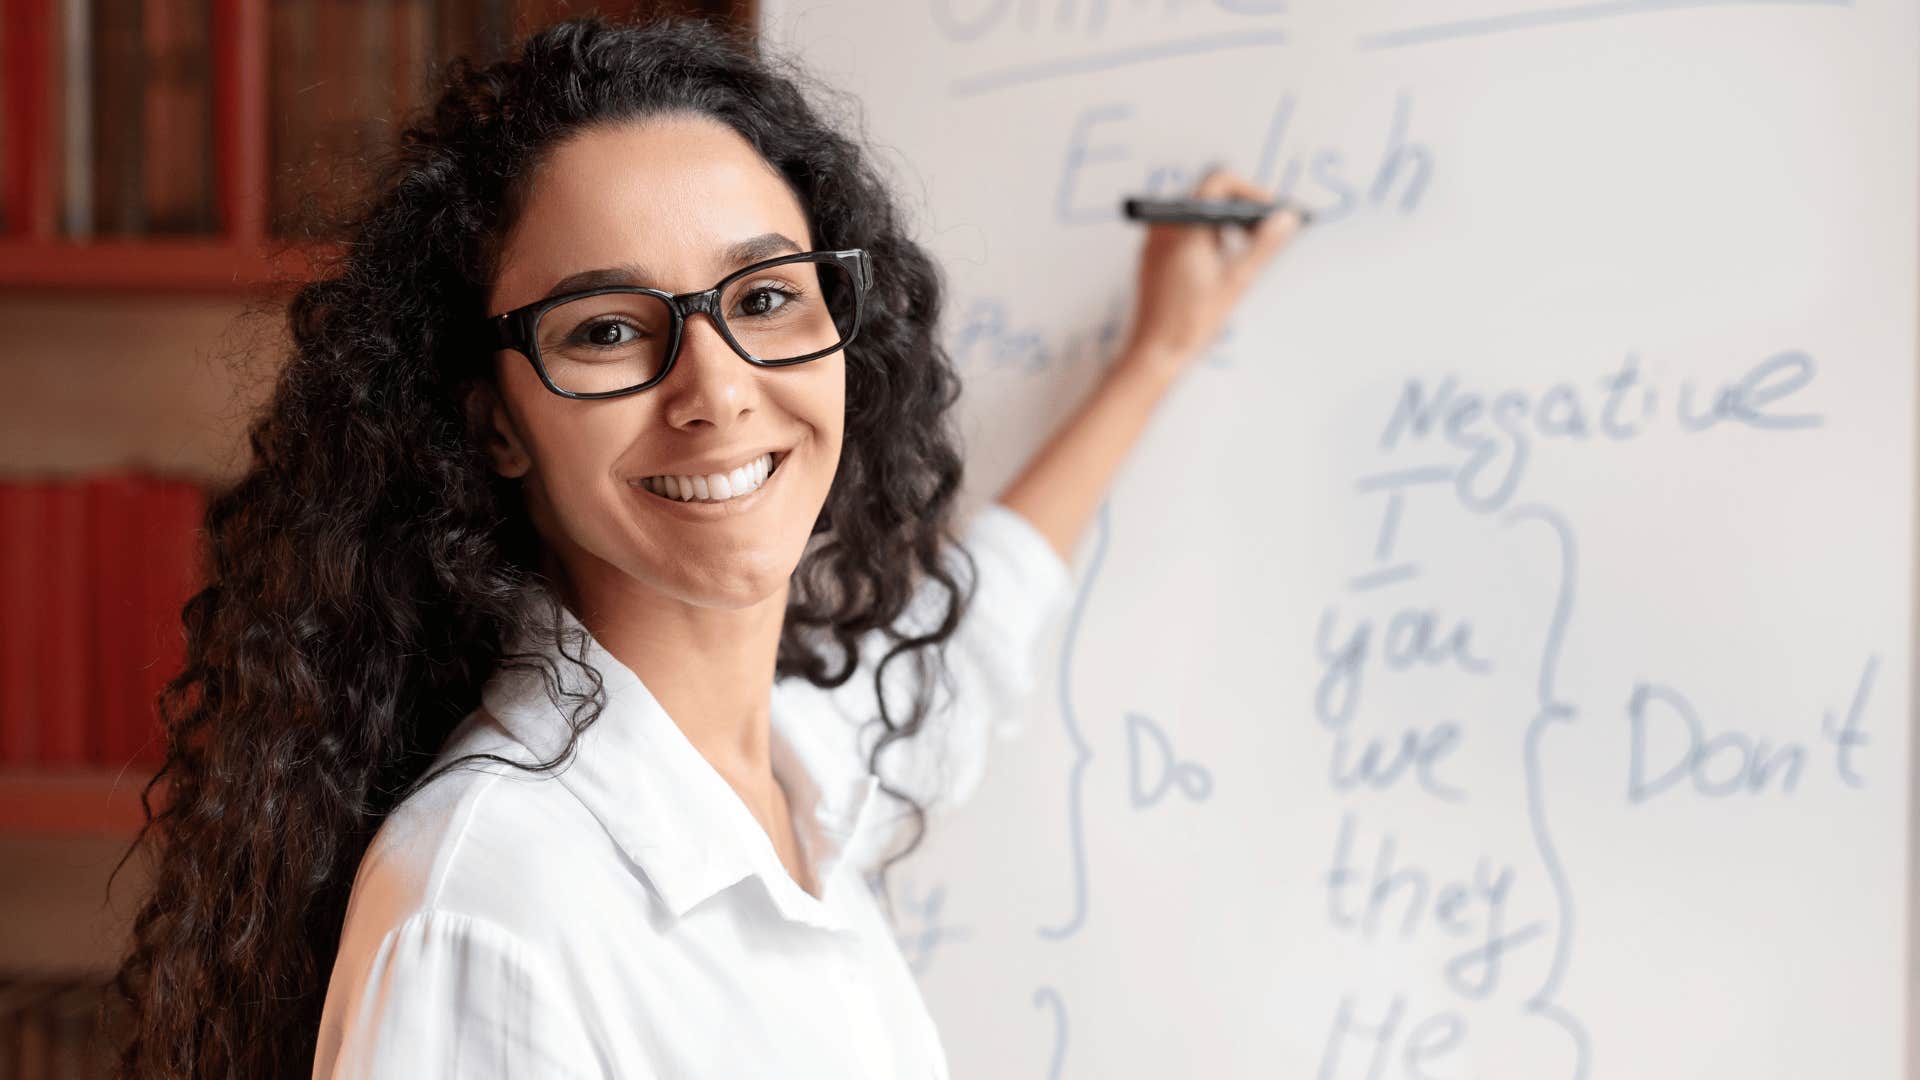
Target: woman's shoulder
(483, 839)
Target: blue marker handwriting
(1496, 429)
(1101, 167)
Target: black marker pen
(1235, 211)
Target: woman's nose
(709, 380)
(701, 339)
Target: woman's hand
(1191, 278)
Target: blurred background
(164, 167)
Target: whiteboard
(1493, 660)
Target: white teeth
(717, 487)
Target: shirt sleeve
(1022, 586)
(449, 995)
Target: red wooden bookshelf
(33, 254)
(241, 255)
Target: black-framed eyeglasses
(622, 339)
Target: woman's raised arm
(1189, 282)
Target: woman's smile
(706, 508)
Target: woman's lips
(736, 504)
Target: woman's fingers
(1221, 183)
(1269, 237)
(1264, 240)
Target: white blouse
(628, 917)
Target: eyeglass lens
(614, 341)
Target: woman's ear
(488, 414)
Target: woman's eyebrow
(764, 246)
(752, 250)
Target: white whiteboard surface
(1579, 426)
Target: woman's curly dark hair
(366, 574)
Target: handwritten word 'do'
(1194, 781)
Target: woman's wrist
(1066, 479)
(1151, 361)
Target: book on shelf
(118, 612)
(22, 520)
(94, 573)
(133, 144)
(178, 135)
(66, 715)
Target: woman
(520, 732)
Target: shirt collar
(659, 799)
